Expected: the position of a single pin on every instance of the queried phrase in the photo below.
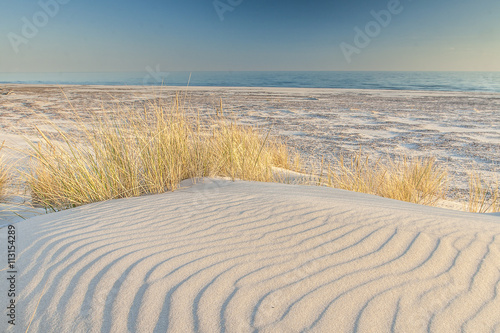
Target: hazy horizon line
(294, 70)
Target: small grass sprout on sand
(4, 175)
(483, 197)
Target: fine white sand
(222, 256)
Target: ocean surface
(440, 81)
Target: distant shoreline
(401, 81)
(7, 86)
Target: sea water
(440, 81)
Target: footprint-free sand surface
(223, 256)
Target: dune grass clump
(483, 198)
(243, 153)
(416, 180)
(4, 176)
(137, 152)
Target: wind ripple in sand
(224, 256)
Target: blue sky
(189, 35)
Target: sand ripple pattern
(223, 256)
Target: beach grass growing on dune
(416, 180)
(483, 198)
(135, 152)
(4, 176)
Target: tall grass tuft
(483, 198)
(417, 180)
(145, 151)
(4, 176)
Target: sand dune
(222, 256)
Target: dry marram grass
(483, 198)
(416, 180)
(4, 175)
(146, 151)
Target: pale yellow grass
(483, 198)
(135, 152)
(4, 176)
(416, 180)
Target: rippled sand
(222, 256)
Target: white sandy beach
(460, 129)
(222, 256)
